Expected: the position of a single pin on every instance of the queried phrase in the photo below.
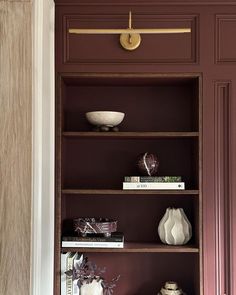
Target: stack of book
(153, 183)
(68, 261)
(116, 240)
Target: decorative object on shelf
(171, 288)
(105, 120)
(93, 288)
(130, 38)
(90, 279)
(174, 227)
(93, 225)
(148, 164)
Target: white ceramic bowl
(105, 118)
(171, 292)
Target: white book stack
(93, 244)
(116, 240)
(78, 260)
(153, 185)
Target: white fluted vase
(174, 227)
(94, 288)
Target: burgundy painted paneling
(208, 191)
(222, 195)
(214, 55)
(232, 187)
(156, 48)
(225, 31)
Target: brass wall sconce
(130, 38)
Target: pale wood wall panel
(16, 0)
(15, 147)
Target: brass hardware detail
(130, 38)
(130, 41)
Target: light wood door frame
(42, 252)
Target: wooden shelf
(138, 248)
(128, 192)
(131, 134)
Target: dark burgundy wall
(211, 50)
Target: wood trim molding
(222, 186)
(42, 260)
(219, 56)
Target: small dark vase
(148, 164)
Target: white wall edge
(43, 121)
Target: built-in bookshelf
(163, 116)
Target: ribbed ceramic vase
(94, 288)
(174, 227)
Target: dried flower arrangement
(86, 272)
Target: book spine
(77, 261)
(92, 244)
(92, 239)
(69, 279)
(154, 185)
(63, 270)
(152, 179)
